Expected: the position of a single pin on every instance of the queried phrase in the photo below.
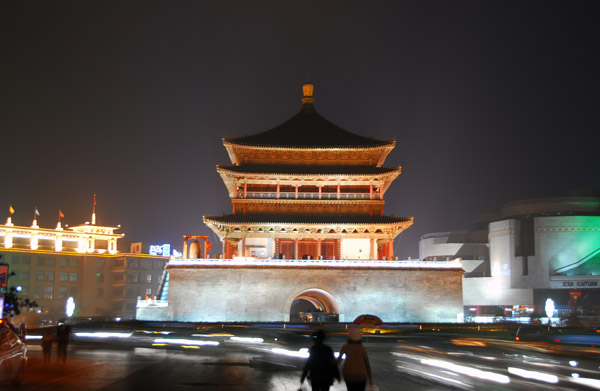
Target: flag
(11, 209)
(61, 214)
(94, 199)
(37, 212)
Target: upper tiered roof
(307, 131)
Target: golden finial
(307, 90)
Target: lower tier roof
(265, 218)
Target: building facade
(529, 252)
(307, 233)
(50, 265)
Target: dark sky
(489, 102)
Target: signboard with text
(160, 249)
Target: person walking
(62, 339)
(47, 340)
(356, 369)
(320, 366)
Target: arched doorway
(314, 305)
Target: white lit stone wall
(203, 294)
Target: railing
(353, 263)
(308, 196)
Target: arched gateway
(313, 305)
(307, 212)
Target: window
(74, 262)
(99, 291)
(119, 263)
(41, 261)
(100, 264)
(118, 276)
(37, 292)
(64, 276)
(132, 263)
(49, 276)
(131, 292)
(24, 290)
(118, 292)
(15, 259)
(73, 291)
(72, 276)
(24, 275)
(149, 264)
(118, 306)
(26, 260)
(39, 276)
(132, 277)
(149, 278)
(64, 262)
(50, 261)
(99, 277)
(49, 292)
(62, 292)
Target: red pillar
(245, 189)
(243, 247)
(319, 247)
(372, 250)
(296, 247)
(338, 192)
(391, 249)
(278, 190)
(370, 192)
(320, 187)
(296, 192)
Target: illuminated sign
(70, 307)
(1, 308)
(3, 276)
(160, 249)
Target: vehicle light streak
(594, 383)
(302, 353)
(183, 341)
(247, 339)
(473, 372)
(102, 334)
(541, 376)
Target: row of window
(47, 292)
(132, 277)
(48, 276)
(137, 263)
(18, 259)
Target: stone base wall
(238, 294)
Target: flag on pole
(37, 212)
(61, 215)
(11, 209)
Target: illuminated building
(308, 189)
(530, 251)
(82, 262)
(307, 234)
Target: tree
(12, 302)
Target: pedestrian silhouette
(321, 367)
(47, 340)
(356, 369)
(63, 334)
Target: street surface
(267, 361)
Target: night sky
(489, 102)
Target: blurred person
(63, 334)
(47, 340)
(320, 367)
(357, 369)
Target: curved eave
(330, 148)
(223, 169)
(216, 221)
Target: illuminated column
(58, 242)
(185, 247)
(33, 243)
(319, 248)
(8, 236)
(338, 192)
(90, 244)
(390, 249)
(296, 191)
(82, 245)
(245, 190)
(372, 251)
(296, 248)
(320, 187)
(371, 192)
(278, 190)
(112, 246)
(225, 249)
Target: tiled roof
(308, 129)
(308, 170)
(260, 218)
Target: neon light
(181, 341)
(160, 249)
(100, 334)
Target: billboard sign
(3, 276)
(160, 249)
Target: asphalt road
(422, 362)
